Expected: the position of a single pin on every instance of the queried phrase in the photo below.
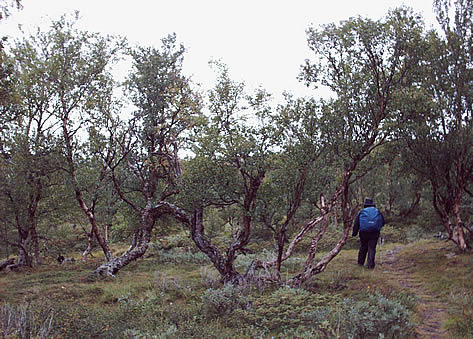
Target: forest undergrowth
(420, 290)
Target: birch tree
(439, 115)
(147, 170)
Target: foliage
(461, 322)
(65, 238)
(232, 154)
(243, 262)
(180, 256)
(157, 316)
(282, 309)
(145, 166)
(22, 322)
(377, 317)
(6, 5)
(167, 109)
(253, 171)
(122, 229)
(176, 249)
(438, 129)
(177, 239)
(224, 301)
(394, 233)
(153, 300)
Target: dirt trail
(430, 310)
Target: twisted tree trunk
(141, 239)
(24, 257)
(310, 269)
(459, 225)
(90, 244)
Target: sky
(263, 42)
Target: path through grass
(431, 310)
(438, 275)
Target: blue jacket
(369, 219)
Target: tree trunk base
(14, 267)
(6, 263)
(108, 269)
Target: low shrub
(180, 239)
(243, 262)
(23, 322)
(172, 287)
(394, 233)
(46, 320)
(406, 299)
(121, 231)
(373, 318)
(282, 310)
(210, 278)
(460, 322)
(223, 301)
(415, 232)
(78, 321)
(178, 256)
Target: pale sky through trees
(262, 41)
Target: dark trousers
(368, 241)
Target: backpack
(370, 219)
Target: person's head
(369, 203)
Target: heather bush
(223, 301)
(175, 240)
(23, 322)
(394, 233)
(460, 323)
(377, 317)
(178, 256)
(282, 309)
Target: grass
(151, 297)
(441, 267)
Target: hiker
(368, 223)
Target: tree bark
(107, 228)
(412, 206)
(24, 258)
(461, 242)
(93, 223)
(142, 236)
(32, 218)
(251, 189)
(141, 239)
(310, 269)
(223, 264)
(110, 268)
(294, 206)
(7, 253)
(78, 192)
(315, 241)
(6, 263)
(90, 244)
(36, 251)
